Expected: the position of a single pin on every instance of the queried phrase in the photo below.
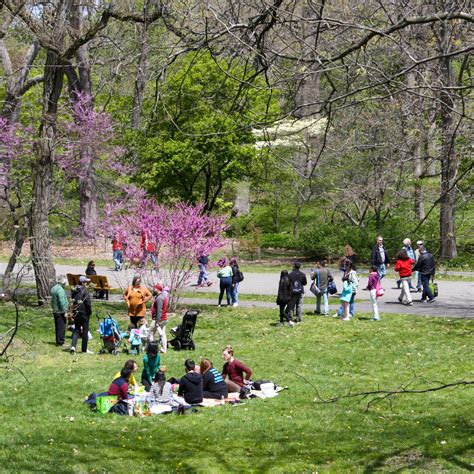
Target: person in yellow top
(132, 381)
(136, 296)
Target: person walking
(283, 297)
(81, 311)
(203, 279)
(60, 304)
(117, 253)
(298, 282)
(426, 266)
(225, 281)
(322, 276)
(379, 257)
(404, 268)
(419, 286)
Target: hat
(62, 280)
(158, 287)
(83, 279)
(419, 242)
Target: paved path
(456, 298)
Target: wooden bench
(72, 280)
(101, 283)
(97, 283)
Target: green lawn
(45, 427)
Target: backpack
(239, 276)
(78, 299)
(297, 287)
(204, 259)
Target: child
(404, 268)
(375, 291)
(144, 332)
(151, 365)
(161, 391)
(135, 341)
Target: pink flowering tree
(181, 234)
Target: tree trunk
(449, 163)
(40, 243)
(19, 241)
(88, 202)
(142, 68)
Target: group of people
(199, 381)
(230, 277)
(291, 285)
(147, 247)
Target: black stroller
(183, 334)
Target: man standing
(297, 283)
(379, 257)
(426, 267)
(81, 311)
(159, 316)
(59, 303)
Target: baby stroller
(183, 334)
(110, 335)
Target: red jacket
(403, 267)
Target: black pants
(81, 328)
(284, 317)
(60, 327)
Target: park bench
(97, 282)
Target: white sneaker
(88, 352)
(235, 305)
(346, 319)
(72, 350)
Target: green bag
(434, 288)
(104, 404)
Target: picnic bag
(105, 403)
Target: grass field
(45, 427)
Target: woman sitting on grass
(133, 367)
(151, 365)
(233, 371)
(213, 384)
(119, 386)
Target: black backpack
(239, 276)
(78, 295)
(297, 287)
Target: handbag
(434, 288)
(315, 288)
(332, 287)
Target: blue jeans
(425, 281)
(203, 277)
(225, 285)
(118, 259)
(324, 296)
(235, 293)
(381, 270)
